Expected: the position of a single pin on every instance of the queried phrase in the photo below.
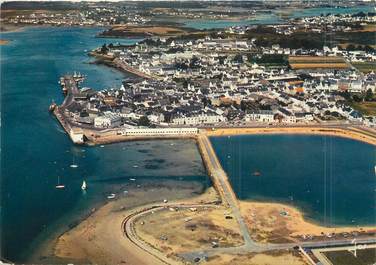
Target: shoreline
(4, 42)
(270, 225)
(76, 244)
(349, 133)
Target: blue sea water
(35, 150)
(331, 179)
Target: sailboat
(84, 186)
(59, 186)
(73, 165)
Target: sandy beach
(4, 42)
(100, 238)
(280, 223)
(354, 133)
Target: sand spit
(100, 239)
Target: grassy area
(366, 108)
(344, 257)
(365, 67)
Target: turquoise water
(272, 18)
(35, 150)
(331, 179)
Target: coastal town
(213, 82)
(201, 132)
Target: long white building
(158, 131)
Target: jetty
(69, 85)
(222, 185)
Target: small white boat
(111, 196)
(74, 166)
(135, 166)
(84, 186)
(59, 186)
(102, 146)
(131, 179)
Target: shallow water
(35, 149)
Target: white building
(158, 131)
(260, 116)
(198, 119)
(108, 120)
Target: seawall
(345, 132)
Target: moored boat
(83, 186)
(59, 186)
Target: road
(129, 232)
(70, 84)
(228, 195)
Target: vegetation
(144, 121)
(270, 59)
(104, 49)
(365, 67)
(366, 108)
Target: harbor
(102, 166)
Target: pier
(69, 84)
(222, 184)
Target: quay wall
(345, 132)
(68, 128)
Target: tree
(368, 48)
(238, 58)
(350, 47)
(356, 98)
(104, 49)
(144, 121)
(369, 95)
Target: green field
(366, 108)
(344, 257)
(365, 67)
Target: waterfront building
(108, 120)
